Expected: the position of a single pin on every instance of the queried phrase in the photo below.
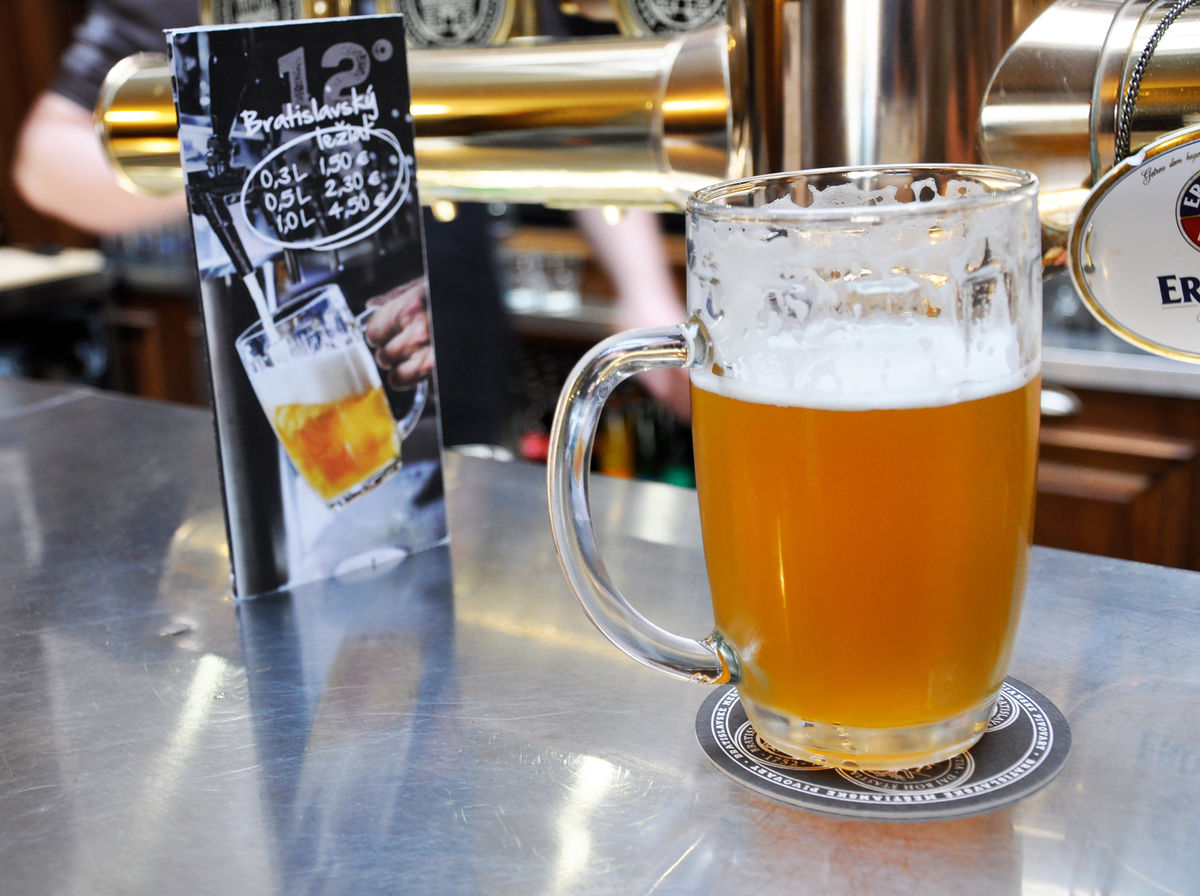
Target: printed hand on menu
(399, 332)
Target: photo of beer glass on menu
(321, 391)
(865, 350)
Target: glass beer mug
(865, 349)
(320, 389)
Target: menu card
(297, 148)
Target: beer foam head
(880, 365)
(869, 296)
(319, 378)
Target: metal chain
(1129, 100)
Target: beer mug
(864, 348)
(320, 389)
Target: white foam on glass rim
(788, 305)
(320, 378)
(886, 365)
(851, 195)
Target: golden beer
(329, 411)
(867, 566)
(320, 389)
(339, 444)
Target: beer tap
(206, 196)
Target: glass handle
(590, 384)
(405, 426)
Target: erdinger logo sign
(1182, 289)
(1133, 249)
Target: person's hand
(399, 332)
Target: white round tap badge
(1135, 247)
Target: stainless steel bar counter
(427, 733)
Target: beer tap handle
(216, 212)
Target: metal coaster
(1024, 747)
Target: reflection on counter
(347, 685)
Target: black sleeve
(110, 31)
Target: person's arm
(61, 170)
(634, 256)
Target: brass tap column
(575, 123)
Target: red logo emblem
(1187, 211)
